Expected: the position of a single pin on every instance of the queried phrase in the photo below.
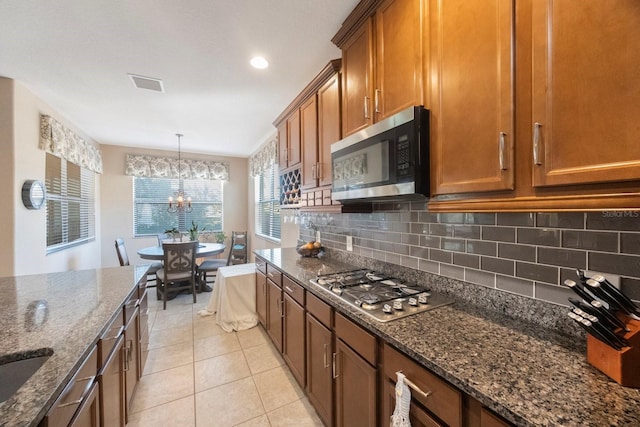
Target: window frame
(270, 173)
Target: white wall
(117, 200)
(29, 243)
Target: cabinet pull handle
(319, 171)
(377, 101)
(536, 143)
(324, 355)
(284, 307)
(501, 147)
(313, 172)
(116, 336)
(289, 289)
(414, 387)
(126, 357)
(84, 392)
(264, 288)
(334, 369)
(366, 107)
(270, 274)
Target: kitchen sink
(17, 368)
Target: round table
(204, 250)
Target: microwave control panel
(403, 157)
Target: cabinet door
(261, 298)
(357, 87)
(398, 57)
(309, 142)
(293, 138)
(328, 126)
(472, 114)
(144, 332)
(131, 362)
(293, 349)
(274, 314)
(585, 92)
(417, 416)
(282, 145)
(88, 414)
(319, 381)
(111, 381)
(356, 390)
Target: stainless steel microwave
(388, 160)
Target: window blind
(70, 207)
(267, 203)
(151, 199)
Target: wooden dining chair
(237, 255)
(123, 258)
(179, 270)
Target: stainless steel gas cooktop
(382, 297)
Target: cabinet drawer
(74, 394)
(130, 306)
(445, 401)
(357, 338)
(108, 340)
(326, 197)
(319, 309)
(275, 275)
(293, 289)
(261, 265)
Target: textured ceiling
(75, 55)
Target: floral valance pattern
(264, 158)
(165, 167)
(61, 141)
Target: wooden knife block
(622, 366)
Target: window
(70, 204)
(151, 199)
(267, 203)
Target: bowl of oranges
(310, 249)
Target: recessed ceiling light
(259, 62)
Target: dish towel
(400, 417)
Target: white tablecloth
(233, 298)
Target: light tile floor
(198, 375)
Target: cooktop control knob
(413, 302)
(387, 308)
(422, 299)
(397, 305)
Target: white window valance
(263, 159)
(62, 142)
(167, 167)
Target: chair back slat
(238, 249)
(179, 257)
(121, 250)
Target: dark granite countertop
(530, 375)
(64, 312)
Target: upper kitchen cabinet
(586, 92)
(309, 140)
(289, 140)
(472, 111)
(382, 61)
(328, 126)
(534, 105)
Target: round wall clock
(33, 194)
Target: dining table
(204, 250)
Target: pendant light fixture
(182, 203)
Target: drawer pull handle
(84, 392)
(116, 336)
(414, 387)
(289, 289)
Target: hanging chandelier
(182, 202)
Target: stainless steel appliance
(380, 296)
(386, 161)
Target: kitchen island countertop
(529, 375)
(64, 312)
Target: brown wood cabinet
(289, 140)
(88, 414)
(417, 415)
(319, 369)
(111, 382)
(382, 61)
(132, 371)
(472, 111)
(309, 142)
(356, 388)
(329, 126)
(293, 348)
(261, 298)
(574, 92)
(275, 313)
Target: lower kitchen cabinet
(274, 313)
(111, 382)
(293, 349)
(356, 389)
(261, 297)
(77, 405)
(131, 366)
(319, 368)
(417, 415)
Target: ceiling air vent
(149, 83)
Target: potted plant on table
(173, 232)
(219, 236)
(194, 230)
